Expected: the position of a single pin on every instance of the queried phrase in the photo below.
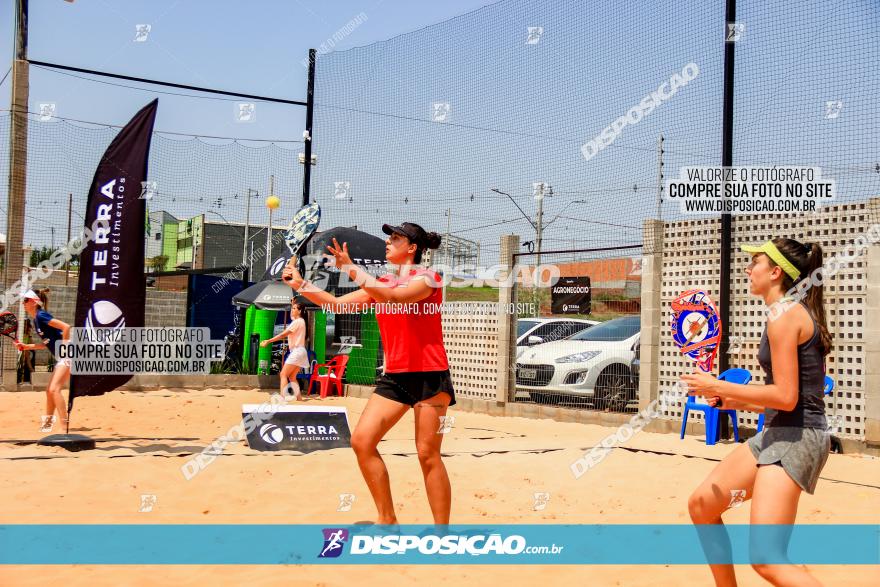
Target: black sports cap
(415, 233)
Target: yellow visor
(771, 251)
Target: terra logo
(334, 540)
(271, 434)
(278, 265)
(104, 314)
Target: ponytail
(431, 240)
(814, 301)
(807, 258)
(44, 297)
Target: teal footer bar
(461, 544)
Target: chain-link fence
(577, 345)
(558, 121)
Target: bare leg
(46, 420)
(60, 376)
(288, 373)
(50, 403)
(736, 472)
(378, 418)
(775, 502)
(428, 440)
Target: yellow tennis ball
(273, 202)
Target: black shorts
(414, 387)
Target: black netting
(423, 126)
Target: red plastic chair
(332, 377)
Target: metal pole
(268, 239)
(269, 228)
(195, 245)
(307, 138)
(660, 177)
(446, 239)
(247, 223)
(726, 219)
(539, 220)
(538, 234)
(448, 230)
(69, 212)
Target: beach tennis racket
(302, 226)
(9, 326)
(696, 327)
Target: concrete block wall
(470, 335)
(852, 303)
(479, 339)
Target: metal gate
(577, 331)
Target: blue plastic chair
(712, 415)
(740, 377)
(829, 387)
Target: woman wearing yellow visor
(783, 460)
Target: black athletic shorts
(414, 387)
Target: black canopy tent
(271, 293)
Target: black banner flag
(112, 288)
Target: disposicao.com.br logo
(430, 544)
(334, 542)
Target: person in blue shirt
(50, 330)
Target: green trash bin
(261, 322)
(361, 368)
(362, 361)
(319, 337)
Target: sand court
(496, 465)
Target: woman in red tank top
(416, 372)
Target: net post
(726, 219)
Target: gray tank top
(810, 409)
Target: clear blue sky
(519, 112)
(254, 47)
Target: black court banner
(300, 428)
(571, 295)
(112, 290)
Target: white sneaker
(46, 423)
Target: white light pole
(272, 202)
(539, 198)
(660, 178)
(448, 264)
(247, 224)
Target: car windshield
(523, 326)
(613, 330)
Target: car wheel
(614, 389)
